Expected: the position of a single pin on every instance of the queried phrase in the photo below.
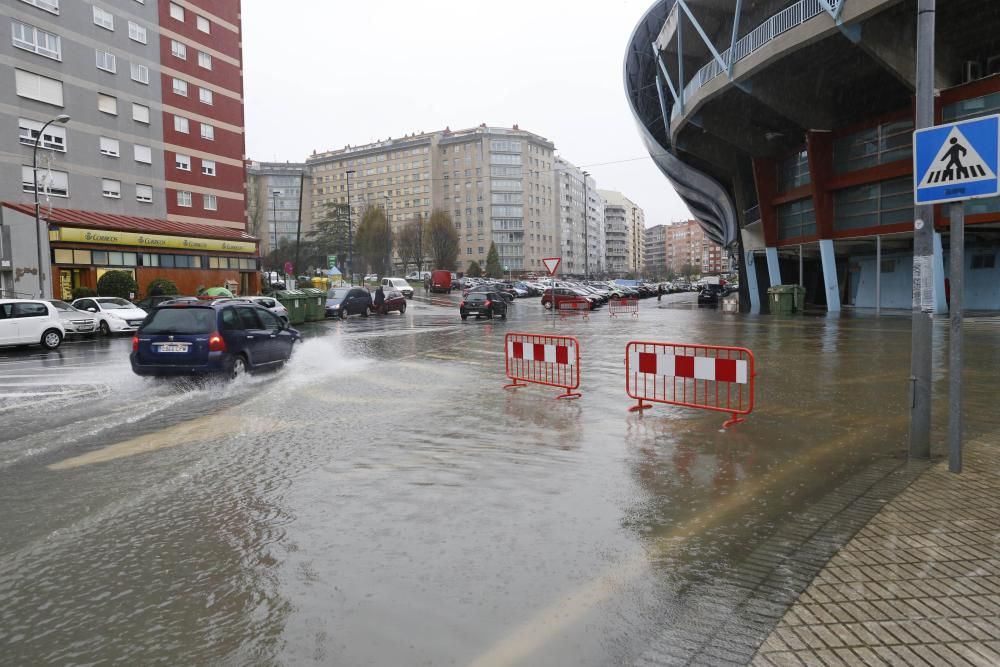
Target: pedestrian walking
(379, 299)
(659, 292)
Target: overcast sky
(320, 74)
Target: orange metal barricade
(623, 307)
(553, 361)
(710, 377)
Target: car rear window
(180, 321)
(477, 296)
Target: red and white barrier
(709, 377)
(618, 307)
(574, 307)
(553, 361)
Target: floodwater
(382, 500)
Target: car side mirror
(91, 310)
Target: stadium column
(765, 177)
(819, 148)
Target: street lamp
(586, 231)
(350, 225)
(274, 222)
(388, 239)
(61, 118)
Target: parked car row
(343, 302)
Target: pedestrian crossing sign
(957, 161)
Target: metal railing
(788, 18)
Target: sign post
(953, 163)
(551, 265)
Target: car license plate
(173, 347)
(135, 323)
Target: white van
(397, 284)
(30, 322)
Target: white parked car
(271, 304)
(418, 275)
(30, 322)
(397, 284)
(114, 315)
(74, 320)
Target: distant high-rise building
(496, 183)
(146, 174)
(654, 260)
(625, 234)
(685, 244)
(274, 190)
(581, 246)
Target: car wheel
(51, 339)
(465, 316)
(366, 312)
(239, 366)
(402, 309)
(343, 313)
(105, 329)
(547, 305)
(503, 315)
(489, 315)
(284, 320)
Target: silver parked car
(75, 321)
(271, 304)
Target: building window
(972, 108)
(143, 154)
(983, 261)
(47, 5)
(873, 204)
(793, 172)
(796, 219)
(873, 146)
(181, 124)
(205, 95)
(176, 11)
(140, 73)
(182, 162)
(37, 87)
(208, 167)
(204, 60)
(178, 50)
(208, 131)
(204, 25)
(104, 19)
(144, 194)
(136, 32)
(184, 198)
(53, 139)
(107, 104)
(36, 40)
(51, 182)
(210, 202)
(180, 87)
(106, 61)
(111, 189)
(109, 147)
(140, 113)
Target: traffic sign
(331, 261)
(288, 268)
(551, 264)
(957, 161)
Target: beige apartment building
(684, 243)
(625, 226)
(497, 184)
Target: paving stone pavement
(918, 585)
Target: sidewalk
(918, 585)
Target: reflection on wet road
(383, 501)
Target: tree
(443, 240)
(474, 270)
(410, 244)
(117, 283)
(493, 268)
(167, 286)
(689, 270)
(374, 241)
(328, 237)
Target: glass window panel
(115, 258)
(64, 256)
(81, 257)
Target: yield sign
(552, 263)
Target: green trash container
(315, 303)
(295, 302)
(782, 299)
(800, 298)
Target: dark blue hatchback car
(202, 337)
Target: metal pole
(957, 272)
(801, 280)
(350, 226)
(586, 231)
(274, 222)
(388, 238)
(878, 274)
(923, 238)
(298, 228)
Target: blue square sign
(957, 161)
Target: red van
(441, 281)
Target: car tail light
(488, 303)
(135, 343)
(216, 343)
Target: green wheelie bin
(315, 303)
(295, 302)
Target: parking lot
(382, 500)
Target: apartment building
(274, 192)
(686, 244)
(496, 183)
(142, 166)
(625, 234)
(581, 245)
(654, 259)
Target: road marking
(185, 433)
(549, 622)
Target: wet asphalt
(382, 500)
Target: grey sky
(320, 74)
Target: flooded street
(382, 500)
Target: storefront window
(64, 256)
(115, 258)
(100, 257)
(128, 258)
(81, 257)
